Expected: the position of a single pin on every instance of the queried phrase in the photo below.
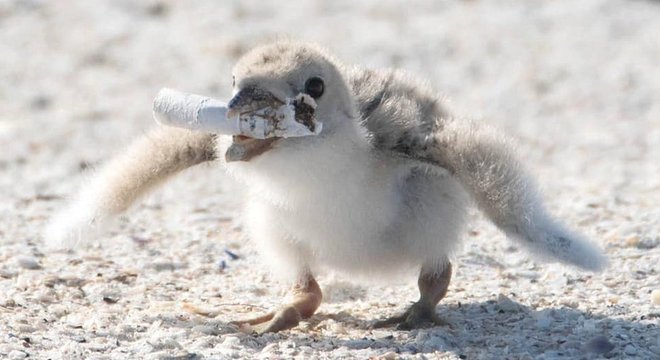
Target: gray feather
(405, 117)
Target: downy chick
(384, 186)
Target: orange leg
(432, 288)
(307, 297)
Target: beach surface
(575, 84)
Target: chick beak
(246, 101)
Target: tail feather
(484, 163)
(116, 186)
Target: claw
(418, 315)
(307, 298)
(283, 319)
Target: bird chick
(383, 187)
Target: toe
(388, 322)
(416, 316)
(256, 320)
(415, 322)
(284, 319)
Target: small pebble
(231, 341)
(630, 350)
(29, 263)
(24, 328)
(17, 354)
(655, 297)
(632, 241)
(305, 326)
(205, 329)
(599, 345)
(390, 355)
(110, 299)
(182, 355)
(613, 300)
(335, 327)
(44, 297)
(379, 334)
(507, 305)
(648, 243)
(7, 274)
(270, 349)
(79, 339)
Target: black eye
(233, 81)
(314, 87)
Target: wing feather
(407, 118)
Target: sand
(576, 84)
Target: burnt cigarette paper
(291, 118)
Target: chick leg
(432, 288)
(307, 297)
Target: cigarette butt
(196, 112)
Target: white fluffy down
(81, 220)
(334, 204)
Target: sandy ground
(576, 83)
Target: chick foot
(283, 319)
(418, 315)
(307, 297)
(432, 288)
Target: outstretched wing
(395, 108)
(406, 117)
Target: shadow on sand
(493, 329)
